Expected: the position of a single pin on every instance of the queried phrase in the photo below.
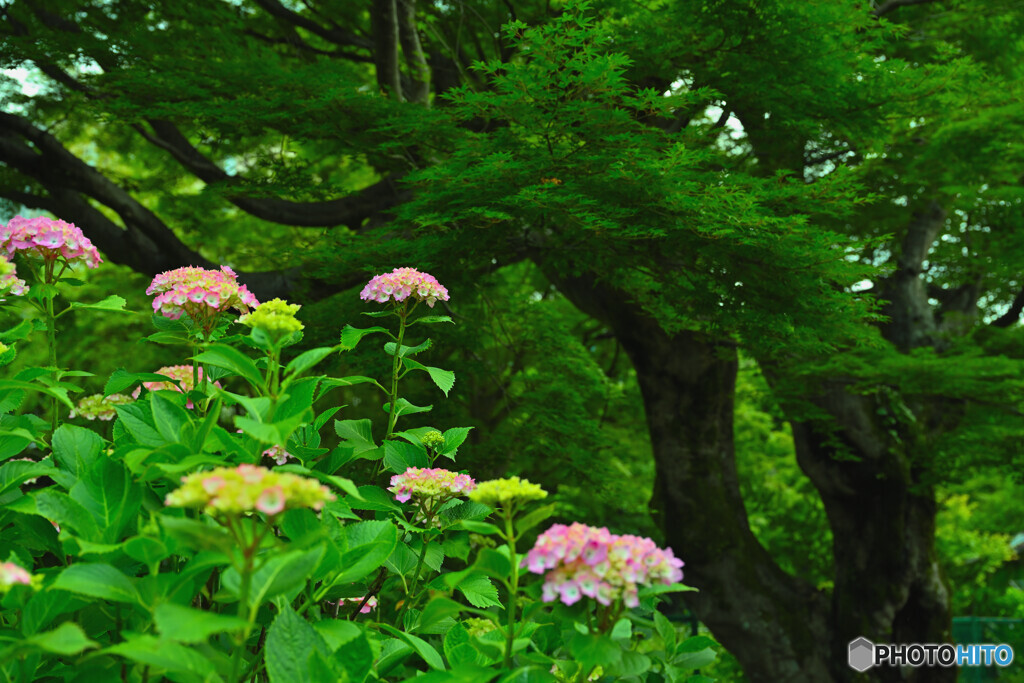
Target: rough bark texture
(888, 585)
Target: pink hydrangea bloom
(401, 283)
(428, 483)
(248, 488)
(181, 373)
(10, 283)
(370, 605)
(12, 575)
(278, 454)
(99, 407)
(581, 560)
(48, 239)
(199, 293)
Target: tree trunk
(888, 584)
(774, 623)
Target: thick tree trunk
(775, 624)
(888, 584)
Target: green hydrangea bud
(478, 627)
(275, 317)
(500, 492)
(433, 440)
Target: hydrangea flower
(12, 575)
(401, 283)
(429, 484)
(433, 440)
(10, 283)
(278, 454)
(181, 373)
(248, 488)
(581, 560)
(276, 317)
(478, 627)
(48, 239)
(502, 492)
(370, 605)
(200, 294)
(99, 407)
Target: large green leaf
(420, 646)
(368, 546)
(111, 303)
(169, 418)
(76, 449)
(306, 360)
(357, 434)
(137, 419)
(110, 496)
(282, 573)
(479, 591)
(166, 655)
(98, 581)
(68, 513)
(401, 455)
(444, 379)
(45, 606)
(291, 641)
(403, 407)
(351, 336)
(187, 625)
(66, 639)
(230, 358)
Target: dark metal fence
(994, 630)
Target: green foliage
(249, 581)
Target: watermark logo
(863, 654)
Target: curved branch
(337, 36)
(351, 210)
(145, 244)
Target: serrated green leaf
(351, 336)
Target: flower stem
(395, 366)
(513, 587)
(51, 338)
(415, 581)
(248, 554)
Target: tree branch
(385, 47)
(413, 51)
(1013, 314)
(337, 36)
(351, 210)
(891, 5)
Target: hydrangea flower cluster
(502, 492)
(430, 483)
(278, 454)
(248, 488)
(99, 407)
(433, 440)
(401, 283)
(370, 605)
(585, 560)
(199, 293)
(275, 317)
(10, 283)
(12, 575)
(48, 239)
(479, 627)
(181, 373)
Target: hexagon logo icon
(862, 654)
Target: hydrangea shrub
(221, 520)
